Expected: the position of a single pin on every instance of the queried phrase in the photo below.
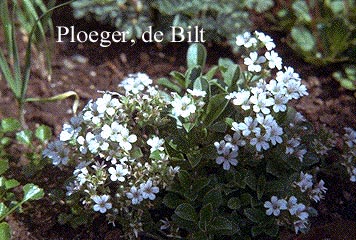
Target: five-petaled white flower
(118, 173)
(148, 190)
(135, 195)
(275, 206)
(183, 107)
(228, 158)
(273, 60)
(155, 143)
(253, 62)
(101, 203)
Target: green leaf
(206, 215)
(201, 84)
(172, 200)
(218, 127)
(32, 192)
(5, 231)
(196, 55)
(261, 184)
(186, 212)
(338, 35)
(257, 230)
(24, 137)
(4, 165)
(214, 197)
(179, 77)
(11, 183)
(230, 72)
(184, 179)
(10, 125)
(43, 133)
(303, 37)
(246, 199)
(210, 74)
(3, 210)
(255, 215)
(194, 159)
(192, 74)
(250, 180)
(221, 223)
(216, 106)
(302, 11)
(234, 203)
(165, 82)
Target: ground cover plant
(222, 20)
(245, 161)
(323, 33)
(9, 200)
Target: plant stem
(21, 114)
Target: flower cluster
(128, 146)
(297, 213)
(118, 162)
(185, 109)
(261, 103)
(350, 153)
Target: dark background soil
(86, 68)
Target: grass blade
(59, 97)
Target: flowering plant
(244, 160)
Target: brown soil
(86, 68)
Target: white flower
(289, 74)
(300, 154)
(135, 195)
(292, 205)
(249, 125)
(261, 103)
(91, 113)
(245, 40)
(266, 40)
(148, 190)
(275, 206)
(275, 133)
(228, 158)
(107, 104)
(353, 175)
(275, 87)
(235, 141)
(196, 92)
(306, 182)
(273, 60)
(241, 98)
(220, 146)
(118, 173)
(58, 152)
(125, 139)
(301, 212)
(317, 192)
(350, 137)
(155, 143)
(280, 101)
(183, 107)
(165, 224)
(260, 141)
(253, 62)
(101, 204)
(295, 89)
(291, 145)
(71, 130)
(300, 225)
(136, 83)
